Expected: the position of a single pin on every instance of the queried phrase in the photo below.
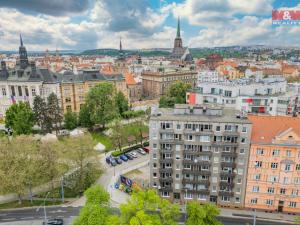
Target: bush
(117, 153)
(131, 113)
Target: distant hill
(115, 52)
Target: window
(204, 138)
(214, 180)
(202, 197)
(297, 180)
(165, 194)
(292, 204)
(215, 169)
(177, 176)
(274, 165)
(154, 156)
(282, 191)
(242, 151)
(237, 200)
(240, 171)
(33, 92)
(255, 189)
(154, 175)
(218, 128)
(214, 188)
(241, 161)
(254, 201)
(188, 195)
(294, 192)
(275, 152)
(298, 167)
(258, 164)
(244, 129)
(4, 91)
(154, 165)
(20, 90)
(273, 179)
(259, 151)
(288, 153)
(243, 140)
(269, 202)
(178, 127)
(239, 181)
(238, 190)
(256, 177)
(154, 184)
(177, 186)
(271, 190)
(285, 180)
(69, 108)
(68, 99)
(287, 167)
(225, 198)
(216, 159)
(154, 145)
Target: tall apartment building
(199, 153)
(273, 182)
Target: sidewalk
(244, 213)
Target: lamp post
(254, 217)
(45, 214)
(62, 190)
(185, 203)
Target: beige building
(156, 83)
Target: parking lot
(126, 157)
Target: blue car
(124, 158)
(108, 159)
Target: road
(68, 213)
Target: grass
(130, 130)
(56, 193)
(27, 203)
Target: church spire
(21, 40)
(178, 28)
(120, 44)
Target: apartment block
(273, 182)
(199, 153)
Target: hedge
(117, 153)
(131, 113)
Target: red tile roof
(265, 128)
(129, 79)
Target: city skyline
(142, 24)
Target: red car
(146, 149)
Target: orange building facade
(273, 181)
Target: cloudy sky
(89, 24)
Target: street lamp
(254, 217)
(185, 202)
(45, 214)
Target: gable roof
(266, 128)
(129, 79)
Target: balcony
(231, 133)
(166, 141)
(228, 164)
(166, 188)
(199, 191)
(229, 154)
(169, 130)
(189, 181)
(230, 143)
(226, 193)
(199, 162)
(226, 184)
(226, 174)
(165, 170)
(198, 172)
(166, 150)
(166, 160)
(165, 179)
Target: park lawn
(130, 130)
(27, 203)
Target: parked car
(129, 156)
(124, 158)
(133, 154)
(146, 149)
(118, 160)
(141, 151)
(108, 159)
(54, 222)
(113, 162)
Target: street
(32, 217)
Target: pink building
(273, 181)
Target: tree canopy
(71, 120)
(122, 102)
(20, 118)
(202, 214)
(176, 94)
(101, 103)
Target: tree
(54, 112)
(71, 120)
(18, 167)
(96, 209)
(297, 220)
(40, 111)
(202, 214)
(121, 102)
(118, 134)
(85, 117)
(20, 118)
(101, 103)
(81, 155)
(176, 94)
(146, 207)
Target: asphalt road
(69, 212)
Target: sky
(142, 24)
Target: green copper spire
(178, 28)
